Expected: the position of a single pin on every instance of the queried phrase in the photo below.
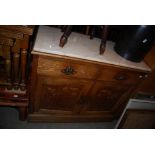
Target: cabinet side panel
(33, 81)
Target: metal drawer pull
(120, 77)
(68, 70)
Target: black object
(135, 42)
(68, 70)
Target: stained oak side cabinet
(66, 89)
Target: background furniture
(138, 113)
(148, 85)
(15, 55)
(141, 113)
(138, 119)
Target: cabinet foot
(22, 113)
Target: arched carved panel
(61, 95)
(105, 96)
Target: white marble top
(80, 46)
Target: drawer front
(122, 75)
(49, 66)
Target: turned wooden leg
(8, 70)
(23, 68)
(92, 32)
(8, 66)
(87, 29)
(64, 37)
(16, 69)
(22, 113)
(63, 28)
(24, 64)
(104, 38)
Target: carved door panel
(60, 96)
(104, 97)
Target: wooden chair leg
(24, 64)
(104, 35)
(87, 30)
(23, 69)
(16, 56)
(23, 113)
(16, 69)
(8, 66)
(63, 28)
(65, 36)
(92, 32)
(8, 69)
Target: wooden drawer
(148, 85)
(122, 75)
(67, 68)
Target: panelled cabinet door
(59, 96)
(104, 97)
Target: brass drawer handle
(68, 70)
(120, 77)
